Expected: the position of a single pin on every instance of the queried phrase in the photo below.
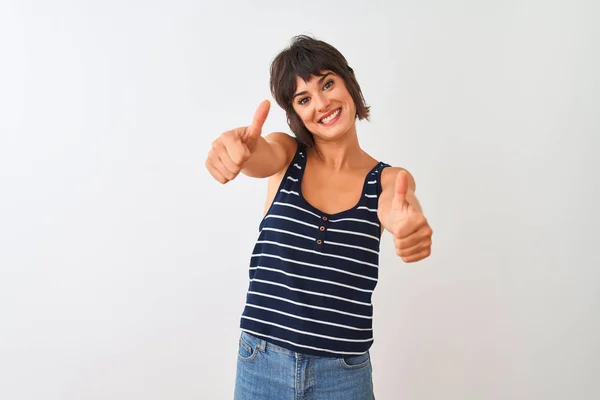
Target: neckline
(339, 213)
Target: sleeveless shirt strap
(382, 165)
(298, 159)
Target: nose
(321, 102)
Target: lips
(331, 117)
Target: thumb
(399, 201)
(260, 116)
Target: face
(325, 106)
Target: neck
(338, 154)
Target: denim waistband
(263, 345)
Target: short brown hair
(307, 56)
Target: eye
(328, 84)
(303, 101)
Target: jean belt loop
(262, 345)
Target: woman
(307, 323)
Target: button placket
(320, 239)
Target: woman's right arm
(273, 154)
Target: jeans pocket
(247, 349)
(356, 362)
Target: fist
(411, 231)
(231, 150)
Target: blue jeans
(269, 372)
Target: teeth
(328, 119)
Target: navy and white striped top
(312, 274)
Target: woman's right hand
(232, 150)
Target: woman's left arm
(401, 214)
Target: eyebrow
(320, 81)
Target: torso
(315, 263)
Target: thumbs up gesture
(233, 149)
(411, 231)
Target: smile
(331, 118)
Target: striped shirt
(312, 274)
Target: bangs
(311, 64)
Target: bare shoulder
(286, 142)
(281, 138)
(286, 146)
(388, 178)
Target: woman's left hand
(411, 231)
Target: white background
(123, 265)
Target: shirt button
(322, 228)
(324, 218)
(319, 241)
